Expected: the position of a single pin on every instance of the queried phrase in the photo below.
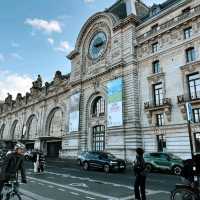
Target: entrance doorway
(161, 143)
(99, 138)
(197, 141)
(53, 149)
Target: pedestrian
(41, 162)
(140, 175)
(13, 163)
(35, 160)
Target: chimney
(130, 7)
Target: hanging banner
(74, 112)
(114, 109)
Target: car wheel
(106, 168)
(26, 157)
(85, 166)
(148, 167)
(177, 170)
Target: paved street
(61, 182)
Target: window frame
(190, 54)
(158, 101)
(195, 86)
(156, 67)
(154, 47)
(188, 32)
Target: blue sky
(36, 36)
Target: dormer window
(154, 28)
(155, 10)
(187, 33)
(154, 47)
(190, 54)
(186, 10)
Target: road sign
(189, 112)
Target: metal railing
(155, 104)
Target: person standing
(140, 175)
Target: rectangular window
(161, 143)
(187, 33)
(196, 113)
(155, 47)
(154, 28)
(156, 67)
(160, 119)
(190, 54)
(194, 86)
(158, 94)
(197, 141)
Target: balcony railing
(188, 98)
(166, 102)
(180, 18)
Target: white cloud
(89, 1)
(13, 83)
(46, 26)
(2, 58)
(63, 47)
(16, 56)
(50, 41)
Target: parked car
(101, 160)
(28, 155)
(163, 161)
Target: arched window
(98, 107)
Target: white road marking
(79, 185)
(90, 198)
(50, 186)
(75, 189)
(41, 184)
(61, 190)
(74, 193)
(50, 177)
(92, 180)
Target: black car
(101, 160)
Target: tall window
(196, 113)
(156, 67)
(160, 119)
(161, 143)
(197, 141)
(98, 106)
(190, 54)
(194, 86)
(154, 28)
(158, 94)
(187, 33)
(99, 138)
(155, 47)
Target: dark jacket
(139, 166)
(14, 163)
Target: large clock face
(98, 45)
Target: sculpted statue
(38, 83)
(58, 75)
(8, 99)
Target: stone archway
(31, 128)
(15, 132)
(2, 131)
(54, 123)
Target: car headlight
(113, 162)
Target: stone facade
(41, 117)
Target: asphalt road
(62, 181)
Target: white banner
(114, 111)
(74, 112)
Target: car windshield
(174, 156)
(108, 156)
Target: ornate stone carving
(58, 77)
(19, 99)
(38, 83)
(8, 100)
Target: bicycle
(185, 192)
(11, 191)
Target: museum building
(132, 70)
